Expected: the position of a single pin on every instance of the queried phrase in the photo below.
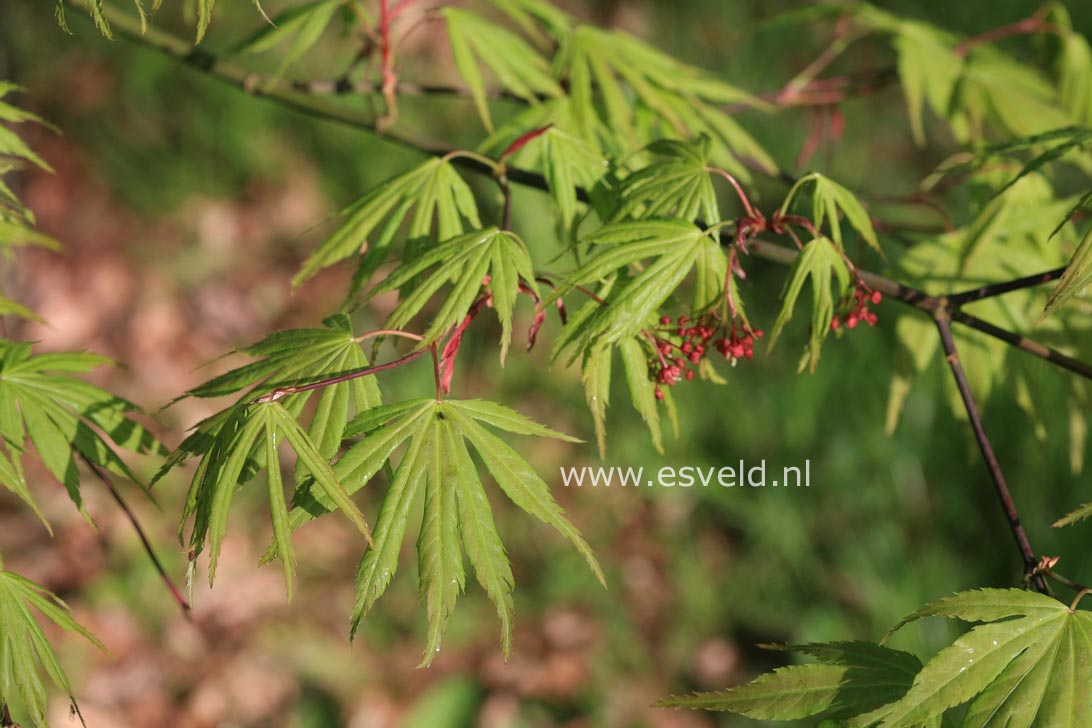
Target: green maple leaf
(676, 245)
(432, 190)
(43, 405)
(285, 359)
(437, 466)
(676, 184)
(463, 261)
(684, 100)
(850, 678)
(25, 651)
(820, 262)
(1028, 664)
(830, 201)
(517, 66)
(245, 440)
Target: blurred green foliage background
(186, 206)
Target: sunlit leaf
(820, 262)
(24, 649)
(432, 190)
(437, 466)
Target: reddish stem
(1027, 26)
(281, 392)
(739, 190)
(174, 590)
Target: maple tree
(650, 173)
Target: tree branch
(175, 592)
(996, 289)
(931, 304)
(996, 475)
(281, 92)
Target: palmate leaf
(246, 439)
(595, 372)
(600, 63)
(830, 201)
(929, 68)
(433, 189)
(464, 261)
(437, 466)
(42, 405)
(1028, 665)
(25, 653)
(821, 262)
(565, 158)
(675, 244)
(518, 67)
(676, 184)
(287, 358)
(850, 678)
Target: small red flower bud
(689, 374)
(682, 320)
(851, 321)
(687, 347)
(835, 323)
(876, 297)
(659, 393)
(665, 319)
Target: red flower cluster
(739, 344)
(855, 308)
(683, 343)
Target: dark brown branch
(931, 304)
(996, 289)
(1023, 343)
(174, 590)
(992, 465)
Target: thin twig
(992, 465)
(148, 549)
(281, 392)
(1027, 26)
